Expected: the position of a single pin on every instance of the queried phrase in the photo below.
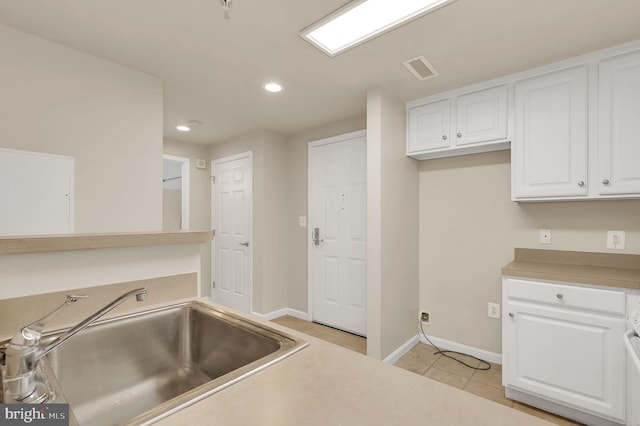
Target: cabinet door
(619, 126)
(565, 356)
(481, 116)
(429, 127)
(549, 149)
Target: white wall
(109, 118)
(469, 228)
(392, 228)
(199, 199)
(36, 273)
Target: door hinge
(213, 179)
(213, 284)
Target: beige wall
(108, 117)
(171, 209)
(269, 219)
(297, 183)
(199, 198)
(469, 228)
(392, 225)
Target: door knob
(244, 243)
(605, 181)
(581, 183)
(511, 314)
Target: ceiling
(214, 69)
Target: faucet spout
(139, 293)
(21, 380)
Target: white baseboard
(281, 312)
(403, 349)
(459, 347)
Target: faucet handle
(30, 334)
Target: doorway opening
(175, 193)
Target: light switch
(302, 221)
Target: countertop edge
(65, 242)
(601, 269)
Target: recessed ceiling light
(272, 87)
(362, 20)
(191, 124)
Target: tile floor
(421, 360)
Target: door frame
(214, 164)
(311, 145)
(186, 181)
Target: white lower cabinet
(562, 344)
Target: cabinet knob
(459, 135)
(444, 137)
(580, 183)
(605, 181)
(559, 296)
(511, 314)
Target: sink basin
(139, 368)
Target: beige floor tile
(493, 376)
(331, 335)
(490, 392)
(447, 377)
(418, 359)
(452, 366)
(544, 415)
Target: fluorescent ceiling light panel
(362, 20)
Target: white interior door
(337, 219)
(232, 244)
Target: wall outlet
(615, 240)
(545, 236)
(493, 310)
(302, 221)
(425, 317)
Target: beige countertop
(604, 269)
(325, 384)
(47, 243)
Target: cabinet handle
(605, 181)
(444, 137)
(580, 183)
(511, 314)
(459, 135)
(559, 296)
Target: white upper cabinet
(573, 126)
(549, 153)
(481, 116)
(619, 125)
(461, 123)
(429, 127)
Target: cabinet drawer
(600, 300)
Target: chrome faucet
(22, 380)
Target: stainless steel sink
(139, 368)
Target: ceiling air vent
(421, 68)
